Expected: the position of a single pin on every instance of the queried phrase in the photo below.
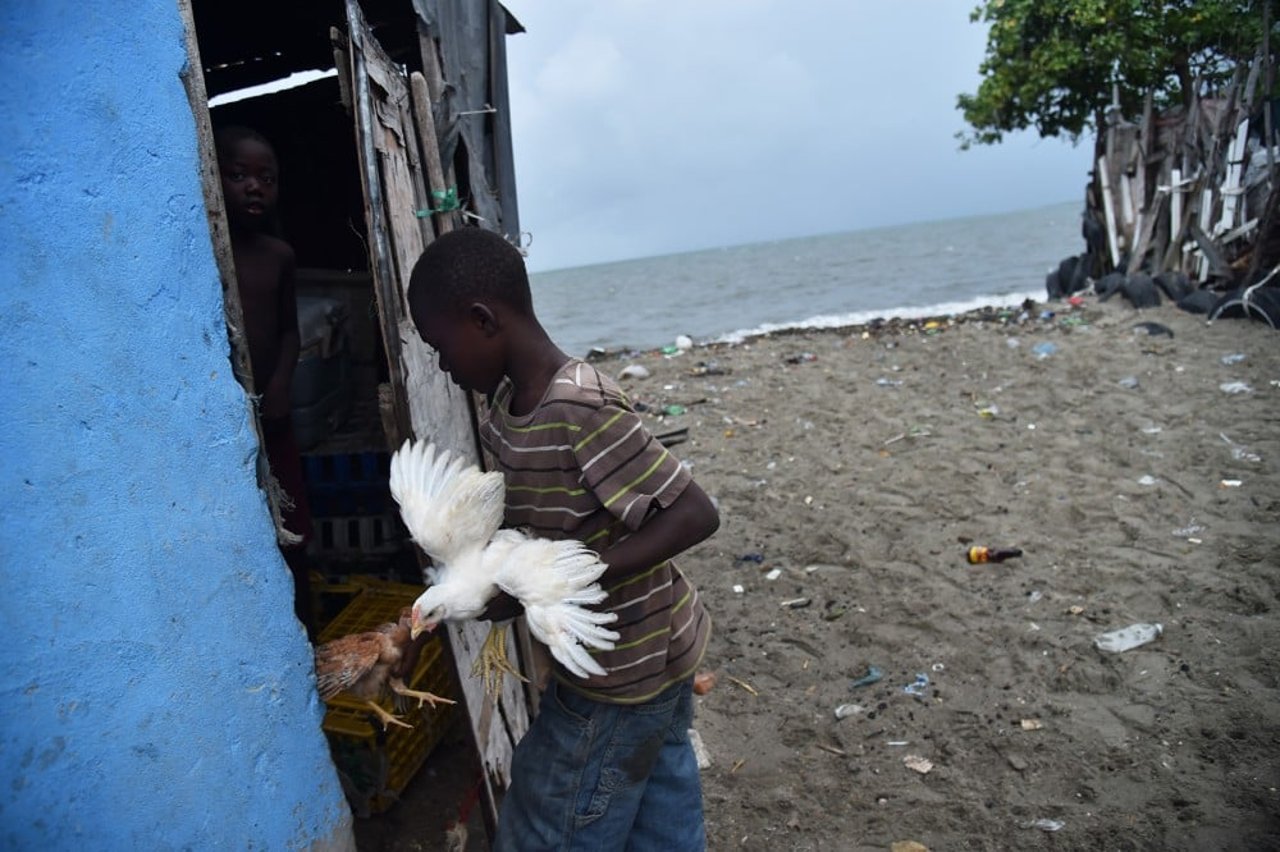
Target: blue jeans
(600, 777)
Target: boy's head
(467, 292)
(250, 177)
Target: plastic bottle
(1125, 638)
(978, 554)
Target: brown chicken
(362, 664)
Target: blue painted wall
(157, 691)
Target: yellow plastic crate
(375, 765)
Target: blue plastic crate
(343, 484)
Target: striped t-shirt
(582, 465)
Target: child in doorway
(607, 764)
(265, 275)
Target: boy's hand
(502, 608)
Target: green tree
(1051, 64)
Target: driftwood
(1172, 190)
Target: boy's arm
(690, 519)
(275, 396)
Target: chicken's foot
(398, 687)
(492, 663)
(384, 717)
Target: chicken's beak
(417, 628)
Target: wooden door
(423, 402)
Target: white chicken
(453, 511)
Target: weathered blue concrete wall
(157, 691)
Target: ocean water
(812, 282)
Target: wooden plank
(1211, 255)
(428, 405)
(504, 166)
(1109, 212)
(1232, 184)
(444, 219)
(379, 247)
(1146, 229)
(1175, 205)
(1198, 231)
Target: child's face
(467, 348)
(249, 183)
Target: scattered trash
(1075, 301)
(1044, 349)
(1148, 479)
(673, 437)
(913, 432)
(1045, 824)
(742, 684)
(844, 711)
(699, 749)
(873, 675)
(1152, 430)
(1045, 316)
(918, 763)
(709, 368)
(1129, 382)
(1034, 596)
(1234, 358)
(1013, 343)
(1153, 329)
(1075, 610)
(907, 846)
(937, 667)
(1129, 637)
(1235, 387)
(802, 358)
(684, 343)
(1238, 452)
(674, 410)
(773, 574)
(918, 686)
(796, 603)
(987, 410)
(737, 589)
(757, 558)
(1072, 322)
(978, 554)
(704, 682)
(839, 752)
(889, 383)
(1031, 724)
(1231, 483)
(898, 743)
(1189, 530)
(634, 371)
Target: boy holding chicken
(607, 764)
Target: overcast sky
(645, 128)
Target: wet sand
(853, 469)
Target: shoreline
(899, 320)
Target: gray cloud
(646, 128)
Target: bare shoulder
(278, 248)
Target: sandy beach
(854, 468)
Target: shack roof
(247, 42)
